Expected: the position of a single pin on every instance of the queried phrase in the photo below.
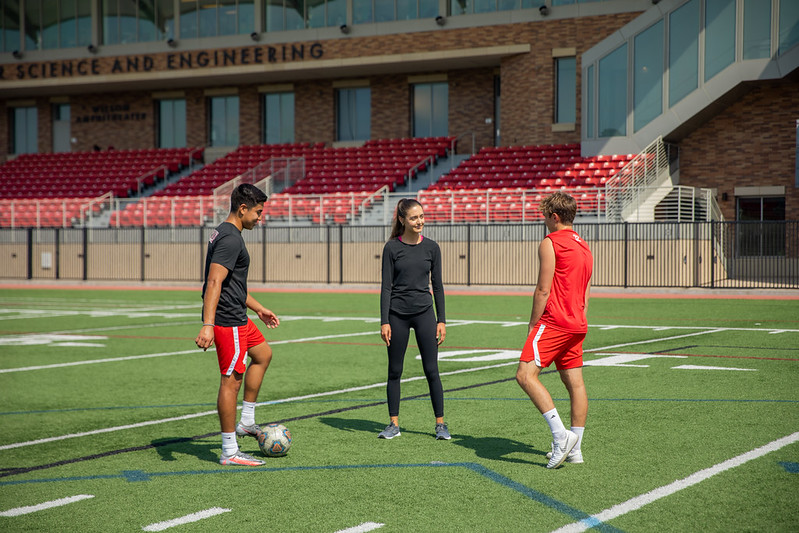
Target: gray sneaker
(248, 431)
(390, 432)
(575, 456)
(240, 458)
(442, 433)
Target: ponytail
(397, 228)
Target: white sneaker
(560, 450)
(575, 456)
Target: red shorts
(547, 344)
(232, 344)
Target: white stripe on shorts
(535, 344)
(237, 354)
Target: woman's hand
(385, 333)
(441, 332)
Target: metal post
(30, 253)
(468, 254)
(142, 240)
(86, 253)
(57, 253)
(626, 251)
(340, 254)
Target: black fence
(659, 254)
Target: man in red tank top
(558, 326)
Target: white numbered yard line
(46, 505)
(660, 339)
(194, 517)
(636, 503)
(362, 528)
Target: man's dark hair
(246, 194)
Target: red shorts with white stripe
(232, 344)
(546, 344)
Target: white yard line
(17, 511)
(636, 503)
(194, 517)
(362, 528)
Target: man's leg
(573, 379)
(227, 400)
(260, 357)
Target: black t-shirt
(408, 272)
(226, 247)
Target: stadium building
(694, 99)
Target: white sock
(229, 444)
(248, 413)
(555, 425)
(579, 432)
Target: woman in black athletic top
(411, 263)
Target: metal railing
(740, 255)
(637, 180)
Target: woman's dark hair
(402, 211)
(247, 194)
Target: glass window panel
(68, 30)
(613, 93)
(49, 25)
(227, 17)
(485, 6)
(422, 110)
(648, 76)
(147, 21)
(507, 5)
(566, 90)
(246, 17)
(172, 123)
(232, 120)
(589, 87)
(224, 121)
(274, 15)
(719, 36)
(354, 114)
(461, 7)
(789, 24)
(188, 19)
(428, 9)
(440, 110)
(207, 19)
(683, 51)
(10, 26)
(316, 15)
(336, 12)
(407, 10)
(33, 29)
(384, 10)
(110, 21)
(562, 2)
(757, 29)
(279, 118)
(84, 14)
(295, 18)
(25, 130)
(361, 11)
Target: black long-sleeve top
(408, 272)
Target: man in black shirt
(225, 322)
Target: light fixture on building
(17, 54)
(91, 48)
(544, 10)
(344, 29)
(440, 20)
(172, 43)
(255, 36)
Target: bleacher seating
(165, 211)
(45, 212)
(89, 174)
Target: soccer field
(109, 423)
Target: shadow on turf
(168, 448)
(496, 448)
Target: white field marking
(648, 341)
(700, 367)
(208, 413)
(194, 517)
(94, 361)
(48, 338)
(46, 505)
(624, 359)
(363, 528)
(636, 503)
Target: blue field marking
(140, 476)
(791, 468)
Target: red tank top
(565, 308)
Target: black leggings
(424, 326)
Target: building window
(648, 76)
(683, 51)
(200, 18)
(279, 118)
(61, 128)
(613, 93)
(224, 121)
(719, 36)
(757, 29)
(789, 25)
(589, 107)
(26, 130)
(467, 7)
(353, 114)
(51, 25)
(431, 109)
(761, 231)
(126, 21)
(172, 123)
(282, 15)
(9, 26)
(365, 11)
(565, 90)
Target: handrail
(379, 192)
(431, 159)
(109, 196)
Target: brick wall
(391, 100)
(314, 112)
(123, 120)
(750, 143)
